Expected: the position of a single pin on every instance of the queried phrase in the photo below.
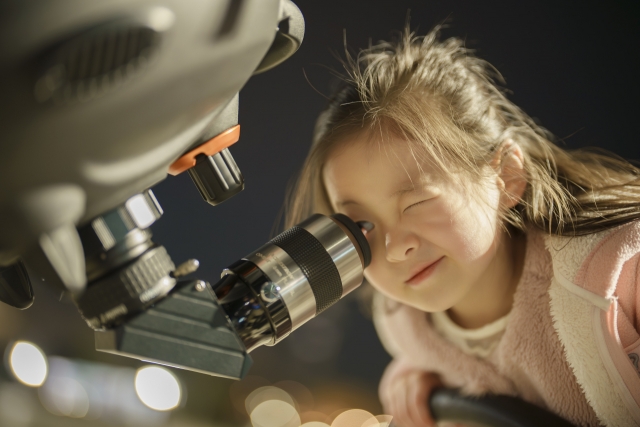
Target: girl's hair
(446, 104)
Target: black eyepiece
(357, 234)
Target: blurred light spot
(16, 405)
(161, 18)
(65, 396)
(315, 416)
(239, 390)
(300, 394)
(158, 388)
(275, 413)
(371, 422)
(263, 394)
(315, 424)
(352, 418)
(28, 364)
(384, 420)
(110, 391)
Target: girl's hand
(404, 394)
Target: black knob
(128, 289)
(15, 286)
(217, 177)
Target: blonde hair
(447, 105)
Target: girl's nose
(400, 245)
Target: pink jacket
(571, 343)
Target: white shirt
(478, 342)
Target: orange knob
(209, 148)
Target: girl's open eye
(365, 226)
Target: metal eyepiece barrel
(293, 278)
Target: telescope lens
(293, 278)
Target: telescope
(103, 100)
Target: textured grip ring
(315, 263)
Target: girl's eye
(415, 204)
(365, 226)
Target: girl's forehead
(372, 155)
(364, 174)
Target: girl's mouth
(424, 273)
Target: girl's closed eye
(424, 197)
(365, 226)
(417, 204)
(414, 204)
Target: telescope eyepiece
(259, 300)
(293, 278)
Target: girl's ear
(508, 162)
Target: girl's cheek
(375, 275)
(474, 231)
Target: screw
(201, 285)
(187, 267)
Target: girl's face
(431, 241)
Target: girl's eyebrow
(347, 202)
(405, 189)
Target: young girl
(503, 264)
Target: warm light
(315, 417)
(263, 394)
(275, 413)
(300, 394)
(315, 424)
(158, 388)
(351, 418)
(379, 421)
(239, 390)
(28, 364)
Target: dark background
(572, 65)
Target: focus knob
(128, 290)
(217, 177)
(15, 286)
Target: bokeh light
(267, 393)
(352, 418)
(384, 420)
(300, 394)
(275, 413)
(95, 391)
(378, 421)
(315, 424)
(17, 405)
(158, 388)
(239, 390)
(66, 397)
(316, 417)
(28, 363)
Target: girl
(503, 264)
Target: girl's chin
(429, 305)
(435, 297)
